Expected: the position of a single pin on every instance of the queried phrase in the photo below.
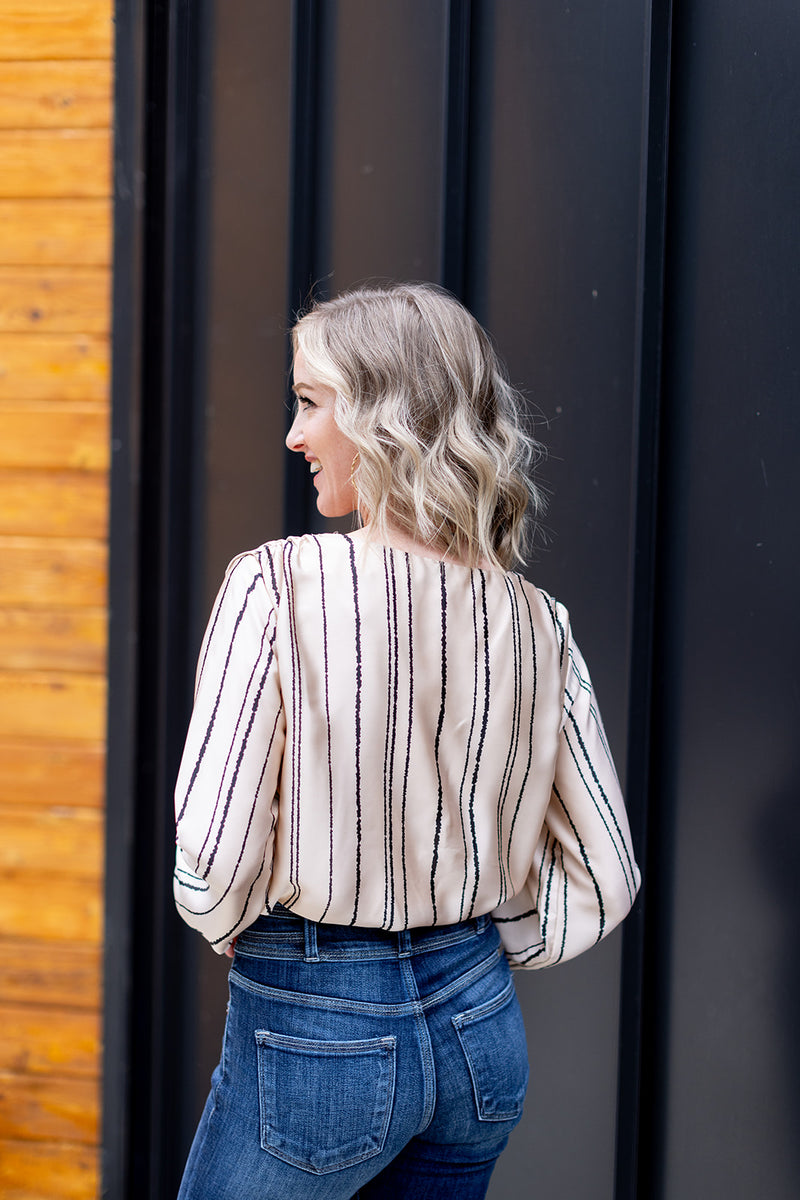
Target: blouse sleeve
(584, 879)
(225, 797)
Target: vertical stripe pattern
(384, 739)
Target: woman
(394, 736)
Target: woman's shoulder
(281, 556)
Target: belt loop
(404, 943)
(310, 932)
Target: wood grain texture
(48, 1108)
(66, 974)
(33, 773)
(64, 640)
(51, 573)
(49, 435)
(56, 143)
(55, 299)
(55, 232)
(62, 162)
(48, 1171)
(38, 1039)
(68, 839)
(68, 911)
(52, 705)
(56, 95)
(65, 29)
(53, 366)
(53, 503)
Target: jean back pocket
(324, 1105)
(492, 1037)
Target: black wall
(614, 192)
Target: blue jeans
(358, 1063)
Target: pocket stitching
(463, 1020)
(383, 1049)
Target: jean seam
(426, 1048)
(483, 1010)
(295, 948)
(339, 1004)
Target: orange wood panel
(68, 910)
(52, 573)
(68, 839)
(56, 29)
(56, 146)
(63, 162)
(40, 1038)
(42, 434)
(56, 95)
(53, 366)
(54, 299)
(52, 705)
(48, 1108)
(64, 974)
(55, 232)
(36, 773)
(53, 503)
(49, 1171)
(64, 640)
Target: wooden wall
(55, 262)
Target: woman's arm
(225, 797)
(584, 879)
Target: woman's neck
(398, 539)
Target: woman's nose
(294, 438)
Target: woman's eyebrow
(302, 387)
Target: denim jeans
(359, 1063)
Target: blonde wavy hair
(443, 452)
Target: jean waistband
(284, 934)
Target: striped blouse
(388, 740)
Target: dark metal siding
(518, 153)
(726, 837)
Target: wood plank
(55, 299)
(37, 640)
(67, 910)
(52, 705)
(53, 573)
(50, 1171)
(66, 975)
(41, 434)
(61, 162)
(56, 95)
(53, 503)
(68, 839)
(36, 1040)
(53, 366)
(56, 29)
(48, 1108)
(55, 232)
(40, 773)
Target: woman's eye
(303, 403)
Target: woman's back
(408, 714)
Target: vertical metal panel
(455, 200)
(242, 191)
(555, 171)
(153, 571)
(245, 182)
(381, 138)
(729, 646)
(129, 152)
(637, 1008)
